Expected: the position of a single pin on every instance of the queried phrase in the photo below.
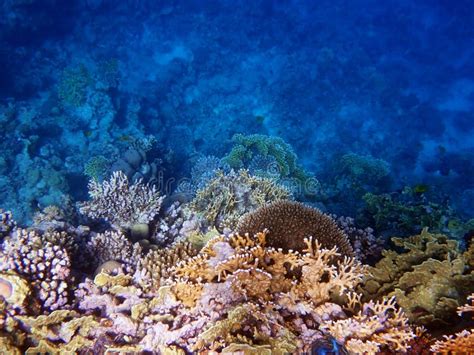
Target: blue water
(388, 83)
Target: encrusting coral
(228, 196)
(121, 203)
(289, 223)
(430, 279)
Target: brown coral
(289, 223)
(430, 279)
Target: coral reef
(289, 223)
(363, 170)
(430, 279)
(120, 203)
(228, 196)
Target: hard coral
(289, 223)
(270, 156)
(429, 279)
(120, 203)
(45, 265)
(228, 196)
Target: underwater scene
(238, 177)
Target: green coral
(430, 279)
(72, 88)
(247, 147)
(406, 213)
(97, 167)
(363, 169)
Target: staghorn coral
(429, 279)
(155, 266)
(289, 223)
(376, 324)
(45, 265)
(120, 203)
(228, 196)
(111, 245)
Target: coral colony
(244, 178)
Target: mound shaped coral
(289, 223)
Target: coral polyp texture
(289, 223)
(121, 203)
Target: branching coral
(289, 223)
(228, 196)
(120, 203)
(376, 324)
(429, 279)
(289, 293)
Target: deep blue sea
(245, 176)
(371, 96)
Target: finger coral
(45, 265)
(121, 203)
(430, 279)
(289, 223)
(228, 196)
(376, 324)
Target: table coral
(228, 196)
(289, 223)
(430, 278)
